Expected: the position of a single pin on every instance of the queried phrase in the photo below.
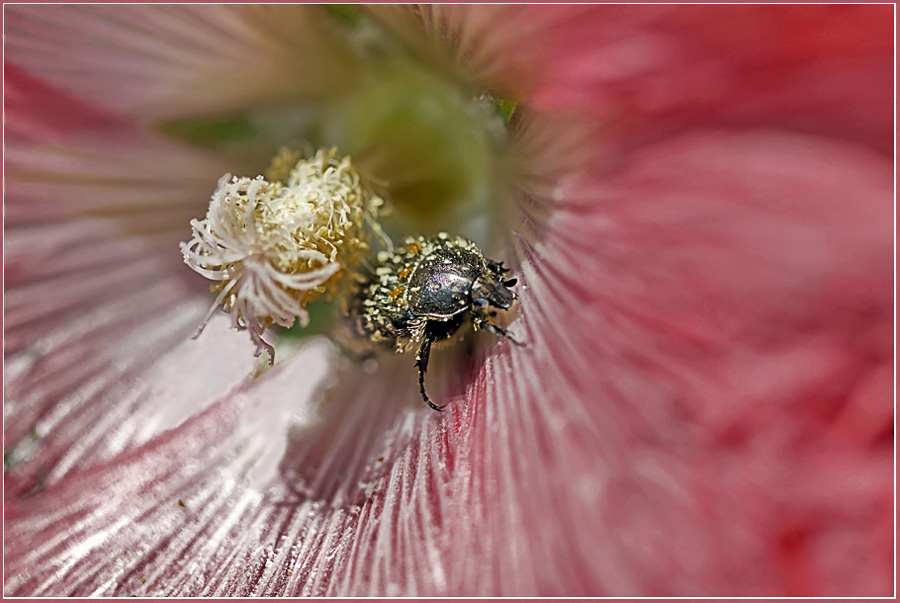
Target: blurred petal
(652, 71)
(66, 158)
(166, 61)
(695, 324)
(36, 111)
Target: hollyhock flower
(696, 200)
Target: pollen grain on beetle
(274, 245)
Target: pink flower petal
(668, 429)
(94, 292)
(252, 523)
(84, 347)
(694, 326)
(703, 406)
(170, 61)
(654, 70)
(66, 158)
(37, 111)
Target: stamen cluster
(274, 246)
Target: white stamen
(274, 246)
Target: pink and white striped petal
(95, 292)
(703, 405)
(170, 61)
(668, 428)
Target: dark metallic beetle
(425, 291)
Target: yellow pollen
(274, 245)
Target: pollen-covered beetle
(425, 291)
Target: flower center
(436, 142)
(274, 246)
(433, 144)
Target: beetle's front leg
(484, 323)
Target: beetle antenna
(422, 364)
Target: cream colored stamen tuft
(275, 246)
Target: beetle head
(490, 289)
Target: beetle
(425, 291)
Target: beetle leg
(422, 364)
(485, 324)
